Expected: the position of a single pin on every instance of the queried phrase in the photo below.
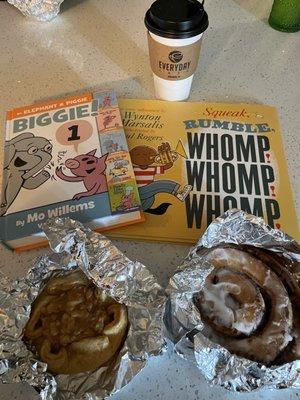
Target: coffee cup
(175, 29)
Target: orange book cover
(193, 161)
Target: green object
(285, 15)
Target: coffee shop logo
(175, 56)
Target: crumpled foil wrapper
(42, 10)
(126, 281)
(183, 321)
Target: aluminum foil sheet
(126, 281)
(183, 322)
(42, 10)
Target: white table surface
(103, 44)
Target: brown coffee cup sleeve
(173, 63)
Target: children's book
(66, 158)
(193, 161)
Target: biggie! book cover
(66, 158)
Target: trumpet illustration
(166, 155)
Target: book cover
(69, 158)
(193, 161)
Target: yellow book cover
(193, 161)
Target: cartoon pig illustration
(106, 101)
(127, 201)
(90, 170)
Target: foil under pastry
(128, 282)
(185, 324)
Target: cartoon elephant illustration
(25, 156)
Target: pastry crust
(245, 306)
(75, 326)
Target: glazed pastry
(288, 271)
(74, 326)
(245, 305)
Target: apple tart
(74, 326)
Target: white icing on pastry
(243, 297)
